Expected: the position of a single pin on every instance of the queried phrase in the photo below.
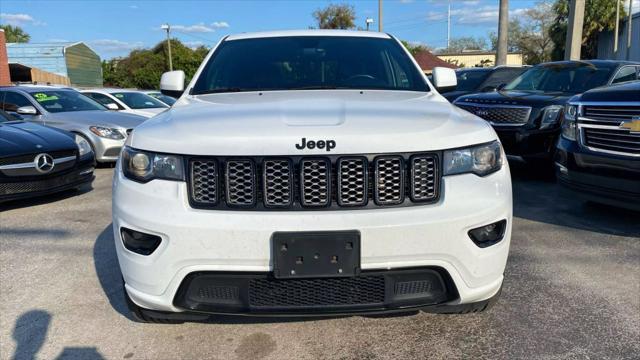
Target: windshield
(561, 78)
(470, 80)
(164, 98)
(309, 62)
(56, 101)
(137, 100)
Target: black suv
(526, 112)
(475, 80)
(599, 151)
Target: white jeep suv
(310, 172)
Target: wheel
(142, 315)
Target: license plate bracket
(316, 254)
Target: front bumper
(528, 143)
(196, 241)
(599, 177)
(106, 150)
(29, 187)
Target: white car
(168, 100)
(127, 101)
(311, 172)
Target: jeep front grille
(506, 115)
(308, 183)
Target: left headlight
(481, 160)
(144, 166)
(107, 133)
(550, 116)
(83, 146)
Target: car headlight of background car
(107, 133)
(480, 159)
(550, 116)
(83, 146)
(144, 166)
(569, 125)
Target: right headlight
(144, 166)
(480, 159)
(106, 132)
(569, 126)
(83, 146)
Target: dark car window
(56, 101)
(309, 62)
(103, 99)
(572, 79)
(501, 76)
(12, 101)
(136, 100)
(469, 80)
(164, 98)
(4, 117)
(627, 73)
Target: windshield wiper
(220, 90)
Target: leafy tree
(530, 34)
(142, 69)
(336, 17)
(458, 45)
(15, 34)
(415, 48)
(599, 16)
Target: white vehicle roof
(111, 91)
(285, 33)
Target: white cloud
(110, 45)
(485, 15)
(57, 40)
(220, 24)
(194, 44)
(134, 7)
(435, 16)
(19, 19)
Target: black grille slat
(278, 182)
(424, 173)
(500, 115)
(352, 181)
(315, 182)
(618, 140)
(389, 180)
(204, 181)
(240, 183)
(615, 114)
(274, 293)
(21, 159)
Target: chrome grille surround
(600, 131)
(498, 114)
(299, 183)
(240, 183)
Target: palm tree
(15, 34)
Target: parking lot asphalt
(572, 290)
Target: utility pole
(629, 26)
(615, 32)
(449, 25)
(503, 33)
(574, 30)
(167, 27)
(380, 15)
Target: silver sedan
(68, 109)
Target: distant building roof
(474, 52)
(428, 61)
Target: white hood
(271, 123)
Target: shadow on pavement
(108, 270)
(30, 333)
(537, 197)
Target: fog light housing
(138, 242)
(488, 235)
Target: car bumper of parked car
(14, 189)
(234, 247)
(528, 143)
(599, 177)
(106, 150)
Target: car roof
(596, 63)
(112, 90)
(35, 88)
(313, 32)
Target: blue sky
(115, 27)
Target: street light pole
(503, 29)
(629, 26)
(167, 27)
(369, 21)
(574, 30)
(380, 15)
(615, 33)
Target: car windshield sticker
(119, 96)
(42, 97)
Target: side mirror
(27, 110)
(172, 83)
(112, 106)
(444, 79)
